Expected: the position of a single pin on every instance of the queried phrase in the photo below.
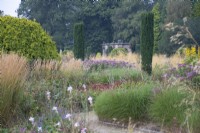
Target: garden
(48, 96)
(43, 91)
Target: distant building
(114, 45)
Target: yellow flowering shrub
(191, 56)
(190, 51)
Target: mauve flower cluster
(103, 64)
(183, 72)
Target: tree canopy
(110, 20)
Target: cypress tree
(147, 41)
(79, 41)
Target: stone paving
(96, 126)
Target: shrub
(147, 41)
(167, 105)
(26, 38)
(118, 51)
(79, 41)
(13, 71)
(124, 103)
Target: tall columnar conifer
(147, 41)
(79, 41)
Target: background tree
(126, 20)
(1, 13)
(56, 17)
(98, 25)
(178, 9)
(157, 21)
(79, 41)
(147, 40)
(175, 12)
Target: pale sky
(9, 7)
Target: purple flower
(191, 74)
(22, 130)
(181, 65)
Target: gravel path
(96, 126)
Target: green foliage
(56, 17)
(167, 105)
(26, 38)
(157, 20)
(178, 10)
(194, 121)
(79, 51)
(158, 72)
(193, 26)
(109, 50)
(97, 19)
(59, 17)
(147, 40)
(112, 75)
(196, 9)
(118, 51)
(193, 59)
(124, 103)
(196, 82)
(126, 20)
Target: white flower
(31, 119)
(58, 124)
(68, 116)
(84, 86)
(69, 89)
(48, 94)
(90, 100)
(76, 124)
(55, 109)
(39, 129)
(83, 130)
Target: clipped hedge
(26, 38)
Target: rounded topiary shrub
(123, 104)
(118, 51)
(26, 38)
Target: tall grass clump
(122, 104)
(73, 70)
(13, 72)
(169, 105)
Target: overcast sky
(9, 7)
